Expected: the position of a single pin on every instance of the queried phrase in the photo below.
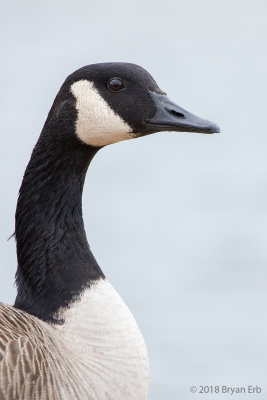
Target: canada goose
(69, 335)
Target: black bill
(171, 117)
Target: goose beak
(171, 117)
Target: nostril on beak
(176, 113)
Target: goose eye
(115, 85)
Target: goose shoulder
(97, 345)
(30, 364)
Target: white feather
(110, 353)
(97, 124)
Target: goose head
(120, 101)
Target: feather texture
(97, 353)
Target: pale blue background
(177, 221)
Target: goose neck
(55, 263)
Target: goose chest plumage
(69, 334)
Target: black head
(119, 101)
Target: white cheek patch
(97, 124)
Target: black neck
(54, 259)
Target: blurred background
(177, 221)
